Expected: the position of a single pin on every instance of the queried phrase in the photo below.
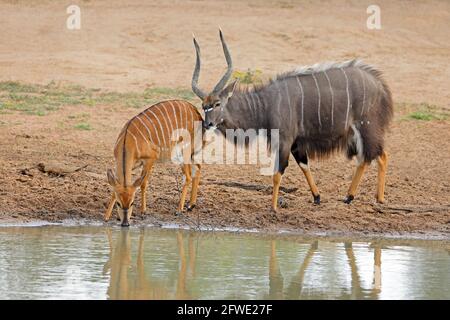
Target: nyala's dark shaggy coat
(318, 110)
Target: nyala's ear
(138, 181)
(229, 90)
(111, 178)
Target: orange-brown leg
(146, 171)
(355, 182)
(302, 160)
(186, 168)
(311, 183)
(276, 189)
(110, 208)
(282, 162)
(382, 167)
(195, 183)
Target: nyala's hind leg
(302, 161)
(282, 161)
(195, 182)
(276, 189)
(355, 182)
(382, 167)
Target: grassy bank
(42, 99)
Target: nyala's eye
(132, 204)
(119, 205)
(217, 104)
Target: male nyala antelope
(150, 136)
(318, 110)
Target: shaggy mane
(308, 70)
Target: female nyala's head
(124, 197)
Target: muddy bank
(235, 196)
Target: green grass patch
(427, 112)
(83, 126)
(420, 115)
(43, 99)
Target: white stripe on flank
(192, 118)
(182, 107)
(160, 125)
(255, 104)
(289, 101)
(118, 140)
(153, 125)
(136, 142)
(332, 99)
(168, 121)
(348, 97)
(174, 114)
(248, 102)
(259, 101)
(279, 97)
(364, 90)
(303, 100)
(318, 93)
(186, 108)
(140, 132)
(148, 131)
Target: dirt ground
(128, 46)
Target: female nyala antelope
(318, 110)
(149, 136)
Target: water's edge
(333, 234)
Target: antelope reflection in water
(123, 284)
(295, 288)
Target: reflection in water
(125, 284)
(99, 263)
(294, 290)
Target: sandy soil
(126, 45)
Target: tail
(373, 136)
(386, 105)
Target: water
(93, 262)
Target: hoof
(126, 224)
(348, 199)
(317, 199)
(380, 200)
(282, 203)
(178, 213)
(190, 208)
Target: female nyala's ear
(111, 178)
(138, 181)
